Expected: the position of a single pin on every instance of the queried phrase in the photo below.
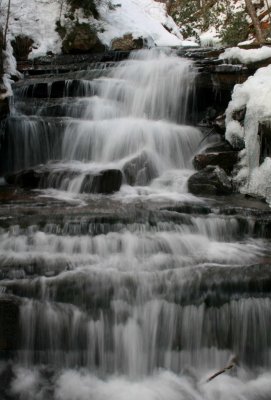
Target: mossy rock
(82, 39)
(127, 43)
(22, 46)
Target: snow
(246, 56)
(254, 95)
(209, 38)
(37, 19)
(145, 18)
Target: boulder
(82, 39)
(226, 160)
(139, 170)
(127, 43)
(28, 178)
(221, 146)
(107, 182)
(212, 180)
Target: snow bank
(255, 96)
(37, 19)
(246, 56)
(146, 18)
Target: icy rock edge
(253, 174)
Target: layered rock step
(104, 181)
(80, 275)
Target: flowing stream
(143, 293)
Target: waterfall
(145, 292)
(126, 118)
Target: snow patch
(246, 56)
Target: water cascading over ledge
(147, 304)
(126, 118)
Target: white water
(146, 308)
(134, 111)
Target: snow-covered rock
(246, 56)
(255, 96)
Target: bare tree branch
(232, 364)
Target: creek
(140, 291)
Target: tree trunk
(255, 21)
(6, 27)
(1, 52)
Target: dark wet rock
(107, 182)
(22, 45)
(219, 123)
(6, 377)
(55, 64)
(226, 160)
(56, 178)
(56, 89)
(239, 115)
(210, 181)
(29, 178)
(139, 170)
(264, 133)
(4, 107)
(82, 39)
(9, 324)
(219, 147)
(253, 66)
(127, 43)
(237, 143)
(41, 177)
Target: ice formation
(253, 96)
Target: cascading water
(127, 296)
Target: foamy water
(126, 300)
